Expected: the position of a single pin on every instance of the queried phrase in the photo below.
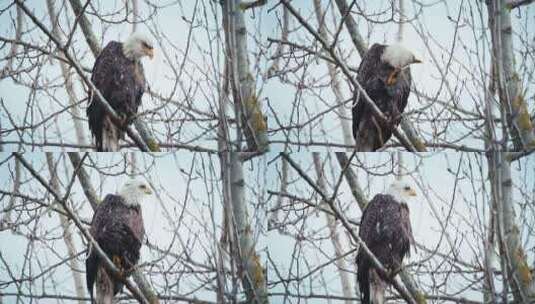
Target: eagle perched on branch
(385, 76)
(386, 230)
(118, 75)
(117, 227)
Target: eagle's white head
(137, 46)
(133, 191)
(398, 56)
(401, 190)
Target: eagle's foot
(392, 123)
(392, 78)
(118, 262)
(392, 273)
(395, 120)
(124, 121)
(129, 267)
(128, 271)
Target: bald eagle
(117, 227)
(385, 76)
(118, 75)
(386, 230)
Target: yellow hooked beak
(149, 52)
(412, 192)
(416, 61)
(146, 189)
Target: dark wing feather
(370, 217)
(121, 82)
(118, 229)
(403, 90)
(405, 221)
(102, 77)
(91, 268)
(368, 79)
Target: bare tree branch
(517, 3)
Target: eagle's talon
(391, 123)
(396, 119)
(125, 121)
(116, 260)
(130, 270)
(394, 272)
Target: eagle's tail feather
(363, 278)
(364, 138)
(91, 266)
(377, 287)
(110, 136)
(363, 145)
(105, 287)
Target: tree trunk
(510, 94)
(519, 275)
(273, 221)
(238, 230)
(248, 105)
(251, 271)
(14, 46)
(6, 219)
(352, 28)
(402, 19)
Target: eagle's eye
(143, 187)
(407, 188)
